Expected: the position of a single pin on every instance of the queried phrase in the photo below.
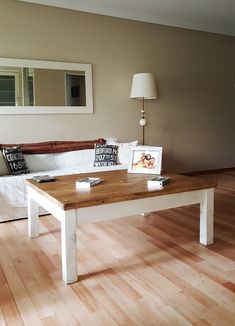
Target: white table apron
(69, 219)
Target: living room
(192, 119)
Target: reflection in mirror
(75, 89)
(59, 87)
(16, 86)
(41, 87)
(44, 87)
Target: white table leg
(33, 219)
(69, 246)
(207, 217)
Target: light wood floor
(132, 271)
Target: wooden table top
(117, 186)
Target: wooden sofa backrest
(55, 146)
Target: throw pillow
(3, 166)
(124, 150)
(105, 155)
(15, 160)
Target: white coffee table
(120, 195)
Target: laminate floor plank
(134, 271)
(9, 313)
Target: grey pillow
(105, 155)
(15, 160)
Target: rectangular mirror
(45, 87)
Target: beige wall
(49, 87)
(193, 118)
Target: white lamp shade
(143, 86)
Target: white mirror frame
(7, 62)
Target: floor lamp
(144, 88)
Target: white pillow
(40, 162)
(110, 139)
(72, 158)
(124, 151)
(3, 166)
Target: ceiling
(216, 16)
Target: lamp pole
(143, 121)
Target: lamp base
(142, 122)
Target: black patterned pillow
(105, 155)
(15, 160)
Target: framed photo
(145, 159)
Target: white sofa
(13, 195)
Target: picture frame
(146, 160)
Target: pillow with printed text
(105, 155)
(15, 160)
